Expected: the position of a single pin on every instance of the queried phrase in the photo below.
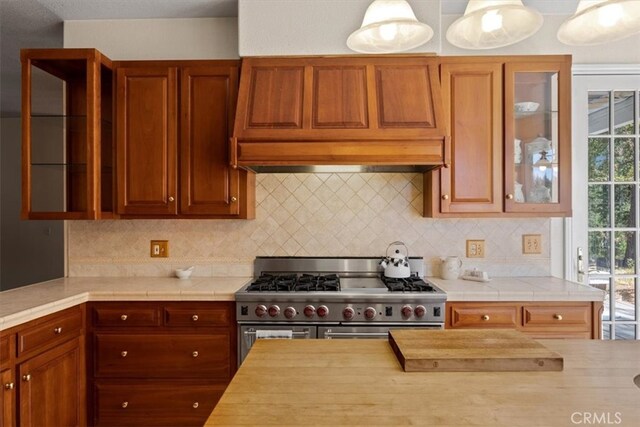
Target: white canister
(450, 268)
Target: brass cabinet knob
(445, 197)
(509, 196)
(26, 378)
(8, 386)
(234, 199)
(557, 316)
(195, 354)
(124, 317)
(195, 404)
(124, 353)
(57, 330)
(195, 317)
(485, 317)
(125, 404)
(171, 199)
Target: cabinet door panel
(279, 105)
(340, 97)
(7, 398)
(147, 140)
(208, 184)
(473, 108)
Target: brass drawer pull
(8, 386)
(57, 330)
(485, 317)
(171, 198)
(234, 199)
(445, 197)
(124, 353)
(557, 316)
(195, 354)
(195, 317)
(123, 317)
(195, 404)
(26, 378)
(125, 404)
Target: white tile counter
(30, 302)
(518, 289)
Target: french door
(605, 228)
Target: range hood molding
(383, 113)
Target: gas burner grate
(409, 284)
(318, 283)
(295, 283)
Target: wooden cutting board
(479, 350)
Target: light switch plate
(159, 249)
(531, 244)
(475, 248)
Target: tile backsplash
(351, 214)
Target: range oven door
(247, 335)
(367, 332)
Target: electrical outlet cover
(475, 248)
(531, 244)
(159, 249)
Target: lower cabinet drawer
(469, 316)
(560, 317)
(5, 352)
(57, 330)
(166, 404)
(163, 356)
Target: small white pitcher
(450, 268)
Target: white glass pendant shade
(389, 26)
(489, 24)
(601, 21)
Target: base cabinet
(536, 319)
(7, 398)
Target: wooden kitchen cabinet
(7, 397)
(517, 166)
(537, 319)
(67, 134)
(167, 367)
(173, 125)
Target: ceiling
(38, 23)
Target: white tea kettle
(396, 265)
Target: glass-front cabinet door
(538, 137)
(66, 134)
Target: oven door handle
(294, 333)
(328, 335)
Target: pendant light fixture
(389, 26)
(489, 24)
(601, 21)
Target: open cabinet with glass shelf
(67, 134)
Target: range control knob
(348, 313)
(420, 311)
(261, 311)
(406, 311)
(274, 310)
(309, 311)
(290, 312)
(370, 313)
(323, 311)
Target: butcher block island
(360, 382)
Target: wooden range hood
(373, 113)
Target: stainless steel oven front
(366, 331)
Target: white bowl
(526, 107)
(184, 273)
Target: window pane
(625, 294)
(625, 332)
(599, 252)
(598, 159)
(606, 332)
(624, 159)
(623, 113)
(599, 211)
(625, 205)
(603, 283)
(598, 113)
(625, 252)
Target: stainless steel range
(333, 298)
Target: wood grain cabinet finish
(198, 316)
(8, 390)
(339, 110)
(51, 332)
(5, 352)
(116, 315)
(539, 320)
(173, 128)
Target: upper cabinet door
(209, 186)
(147, 140)
(538, 137)
(473, 110)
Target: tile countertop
(518, 289)
(30, 302)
